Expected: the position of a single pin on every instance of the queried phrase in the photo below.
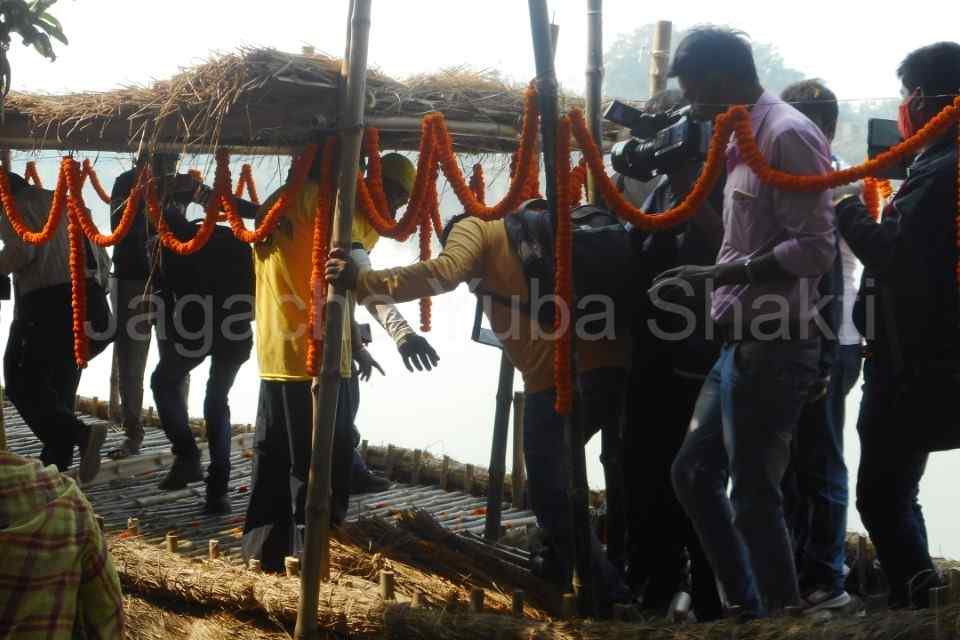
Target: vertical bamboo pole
(660, 56)
(517, 475)
(316, 561)
(572, 450)
(594, 84)
(498, 450)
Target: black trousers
(281, 467)
(660, 536)
(40, 371)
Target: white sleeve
(386, 314)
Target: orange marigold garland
(31, 176)
(563, 286)
(426, 228)
(246, 181)
(321, 248)
(88, 172)
(221, 193)
(957, 221)
(78, 290)
(477, 184)
(578, 180)
(78, 208)
(871, 197)
(301, 168)
(55, 215)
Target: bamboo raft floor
(128, 489)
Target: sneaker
(218, 505)
(90, 444)
(183, 471)
(822, 599)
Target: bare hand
(341, 270)
(366, 364)
(685, 277)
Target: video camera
(661, 142)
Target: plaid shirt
(55, 574)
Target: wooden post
(114, 410)
(316, 554)
(476, 600)
(517, 605)
(172, 541)
(390, 463)
(468, 473)
(417, 466)
(213, 549)
(517, 492)
(954, 581)
(255, 566)
(365, 452)
(133, 526)
(498, 450)
(417, 601)
(572, 451)
(594, 84)
(386, 585)
(292, 566)
(660, 56)
(445, 474)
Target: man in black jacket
(908, 311)
(207, 309)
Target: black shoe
(218, 505)
(91, 441)
(919, 588)
(184, 471)
(369, 483)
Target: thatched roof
(264, 101)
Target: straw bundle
(349, 608)
(147, 621)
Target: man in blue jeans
(816, 490)
(775, 247)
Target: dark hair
(813, 99)
(448, 227)
(935, 69)
(715, 50)
(666, 100)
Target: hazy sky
(854, 45)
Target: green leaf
(49, 18)
(42, 44)
(53, 30)
(40, 6)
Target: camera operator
(776, 245)
(671, 358)
(38, 365)
(907, 309)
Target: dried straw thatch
(265, 101)
(352, 607)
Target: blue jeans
(167, 384)
(741, 430)
(817, 512)
(888, 482)
(548, 482)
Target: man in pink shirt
(776, 245)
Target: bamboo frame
(594, 92)
(316, 556)
(498, 450)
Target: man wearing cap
(275, 514)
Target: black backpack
(603, 261)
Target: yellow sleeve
(459, 262)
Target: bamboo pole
(660, 56)
(594, 91)
(517, 474)
(316, 557)
(572, 452)
(498, 450)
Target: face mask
(905, 122)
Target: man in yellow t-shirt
(275, 514)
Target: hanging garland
(318, 256)
(563, 276)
